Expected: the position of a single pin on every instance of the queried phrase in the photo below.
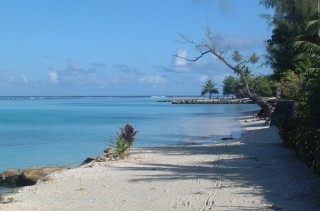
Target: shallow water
(46, 131)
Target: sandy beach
(252, 173)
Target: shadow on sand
(258, 160)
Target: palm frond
(314, 24)
(307, 50)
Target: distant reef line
(215, 101)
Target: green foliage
(292, 85)
(125, 140)
(303, 136)
(254, 58)
(121, 147)
(237, 57)
(260, 85)
(307, 46)
(288, 23)
(209, 88)
(302, 133)
(241, 62)
(231, 86)
(294, 54)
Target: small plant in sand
(125, 140)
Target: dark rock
(227, 138)
(86, 161)
(31, 176)
(11, 178)
(109, 155)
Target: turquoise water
(45, 131)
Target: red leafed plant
(128, 133)
(125, 140)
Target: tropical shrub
(302, 133)
(304, 138)
(292, 85)
(121, 148)
(293, 53)
(262, 86)
(125, 140)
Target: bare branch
(210, 44)
(196, 58)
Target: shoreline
(252, 173)
(73, 163)
(223, 139)
(93, 130)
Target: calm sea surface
(45, 131)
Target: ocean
(47, 131)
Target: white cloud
(179, 63)
(154, 80)
(179, 60)
(53, 76)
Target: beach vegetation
(294, 54)
(231, 86)
(121, 147)
(292, 85)
(260, 85)
(209, 88)
(125, 139)
(288, 22)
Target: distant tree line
(260, 85)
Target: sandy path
(254, 173)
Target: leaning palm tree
(209, 88)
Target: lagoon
(47, 131)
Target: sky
(121, 47)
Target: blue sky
(119, 47)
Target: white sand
(253, 173)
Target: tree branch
(196, 58)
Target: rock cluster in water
(208, 101)
(19, 178)
(214, 101)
